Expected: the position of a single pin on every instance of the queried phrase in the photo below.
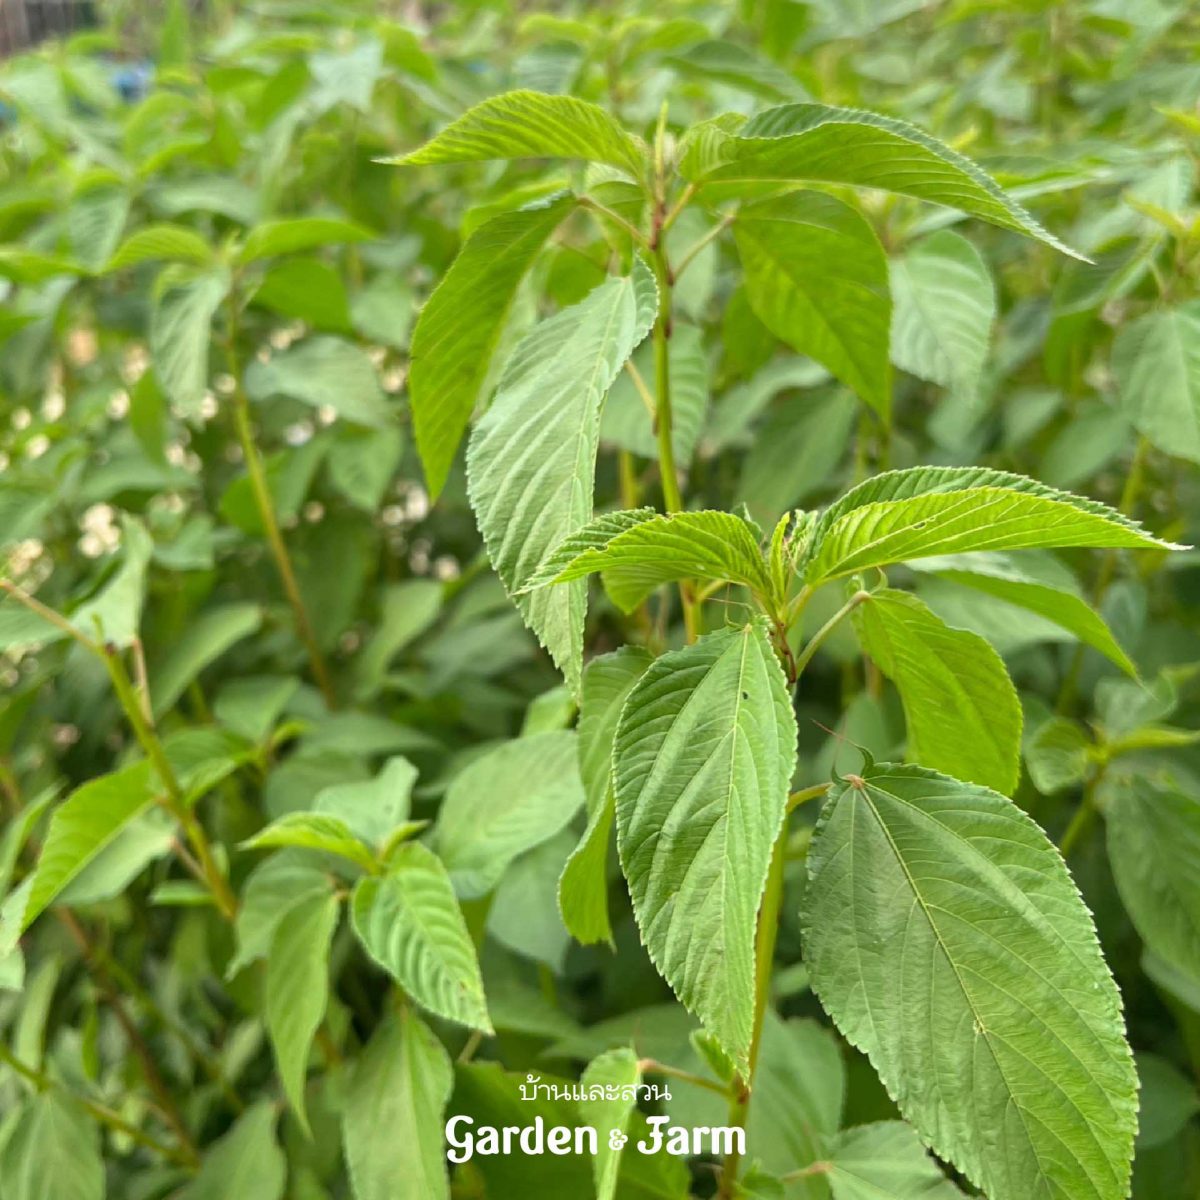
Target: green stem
(806, 794)
(100, 1112)
(651, 1066)
(1084, 815)
(175, 802)
(266, 511)
(594, 206)
(690, 254)
(817, 638)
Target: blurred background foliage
(124, 484)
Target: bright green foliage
(410, 923)
(791, 444)
(842, 145)
(583, 887)
(817, 277)
(948, 942)
(533, 125)
(532, 459)
(392, 1122)
(945, 304)
(297, 988)
(1154, 846)
(702, 759)
(460, 325)
(1157, 365)
(961, 709)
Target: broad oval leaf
(639, 550)
(847, 145)
(1154, 847)
(948, 942)
(944, 308)
(704, 754)
(817, 278)
(313, 831)
(410, 923)
(927, 511)
(524, 124)
(531, 462)
(961, 709)
(506, 802)
(175, 243)
(1156, 360)
(294, 234)
(392, 1122)
(460, 325)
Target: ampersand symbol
(616, 1140)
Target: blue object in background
(132, 80)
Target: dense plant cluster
(558, 557)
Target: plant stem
(48, 615)
(806, 794)
(714, 233)
(599, 209)
(1084, 815)
(817, 638)
(175, 802)
(268, 516)
(100, 1112)
(764, 955)
(651, 1066)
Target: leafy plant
(313, 860)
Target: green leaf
(926, 511)
(52, 1152)
(247, 1161)
(583, 886)
(526, 124)
(410, 923)
(88, 821)
(944, 306)
(728, 63)
(640, 550)
(1154, 848)
(626, 421)
(362, 464)
(845, 145)
(297, 989)
(407, 610)
(23, 266)
(617, 1069)
(270, 892)
(1035, 582)
(372, 808)
(886, 1159)
(961, 709)
(295, 234)
(1156, 360)
(817, 278)
(704, 754)
(947, 941)
(504, 803)
(308, 290)
(324, 371)
(180, 328)
(531, 463)
(457, 332)
(1058, 755)
(203, 641)
(392, 1121)
(174, 243)
(313, 831)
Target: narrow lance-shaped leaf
(297, 989)
(524, 124)
(845, 145)
(817, 277)
(180, 329)
(926, 511)
(583, 886)
(640, 550)
(457, 331)
(1036, 582)
(532, 459)
(294, 234)
(410, 923)
(703, 758)
(961, 709)
(947, 941)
